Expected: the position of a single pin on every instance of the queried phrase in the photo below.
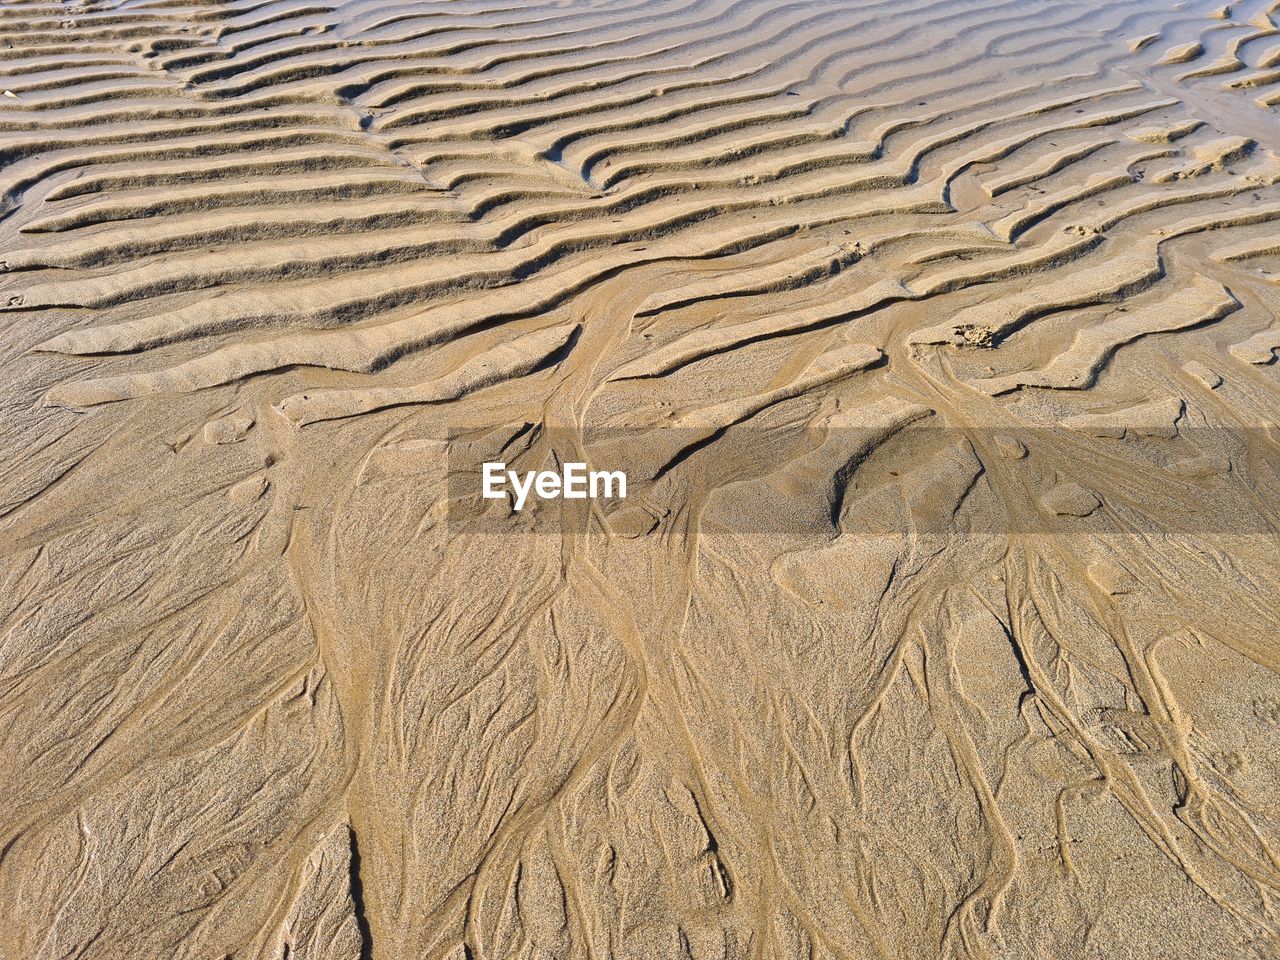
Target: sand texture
(938, 343)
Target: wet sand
(937, 341)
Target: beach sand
(936, 340)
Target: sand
(937, 341)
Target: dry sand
(938, 341)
